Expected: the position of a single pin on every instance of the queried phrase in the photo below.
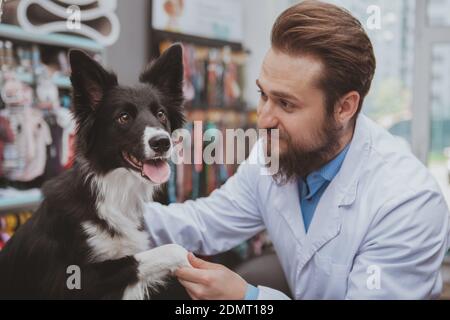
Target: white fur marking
(149, 133)
(120, 200)
(121, 195)
(154, 266)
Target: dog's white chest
(121, 196)
(105, 246)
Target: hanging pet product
(25, 157)
(1, 10)
(94, 19)
(2, 3)
(46, 92)
(17, 96)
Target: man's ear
(90, 81)
(347, 107)
(166, 72)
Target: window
(439, 156)
(392, 35)
(438, 13)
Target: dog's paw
(162, 260)
(176, 256)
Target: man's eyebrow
(278, 94)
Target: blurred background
(224, 45)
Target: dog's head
(128, 127)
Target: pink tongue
(159, 173)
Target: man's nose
(266, 116)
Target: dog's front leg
(155, 265)
(162, 260)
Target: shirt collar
(331, 169)
(317, 179)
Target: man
(351, 215)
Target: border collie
(91, 218)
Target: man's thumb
(199, 263)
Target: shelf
(68, 41)
(161, 35)
(28, 200)
(26, 78)
(61, 82)
(236, 109)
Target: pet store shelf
(26, 78)
(20, 201)
(60, 81)
(61, 40)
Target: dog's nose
(160, 144)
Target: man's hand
(210, 281)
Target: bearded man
(351, 213)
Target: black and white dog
(92, 215)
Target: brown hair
(337, 39)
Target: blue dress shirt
(310, 192)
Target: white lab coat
(380, 230)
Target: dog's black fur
(34, 262)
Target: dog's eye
(162, 116)
(123, 118)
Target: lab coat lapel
(342, 192)
(287, 202)
(326, 223)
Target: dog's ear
(166, 72)
(89, 79)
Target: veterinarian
(351, 213)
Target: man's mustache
(282, 135)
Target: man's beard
(298, 161)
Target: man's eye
(123, 118)
(161, 116)
(262, 94)
(285, 104)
